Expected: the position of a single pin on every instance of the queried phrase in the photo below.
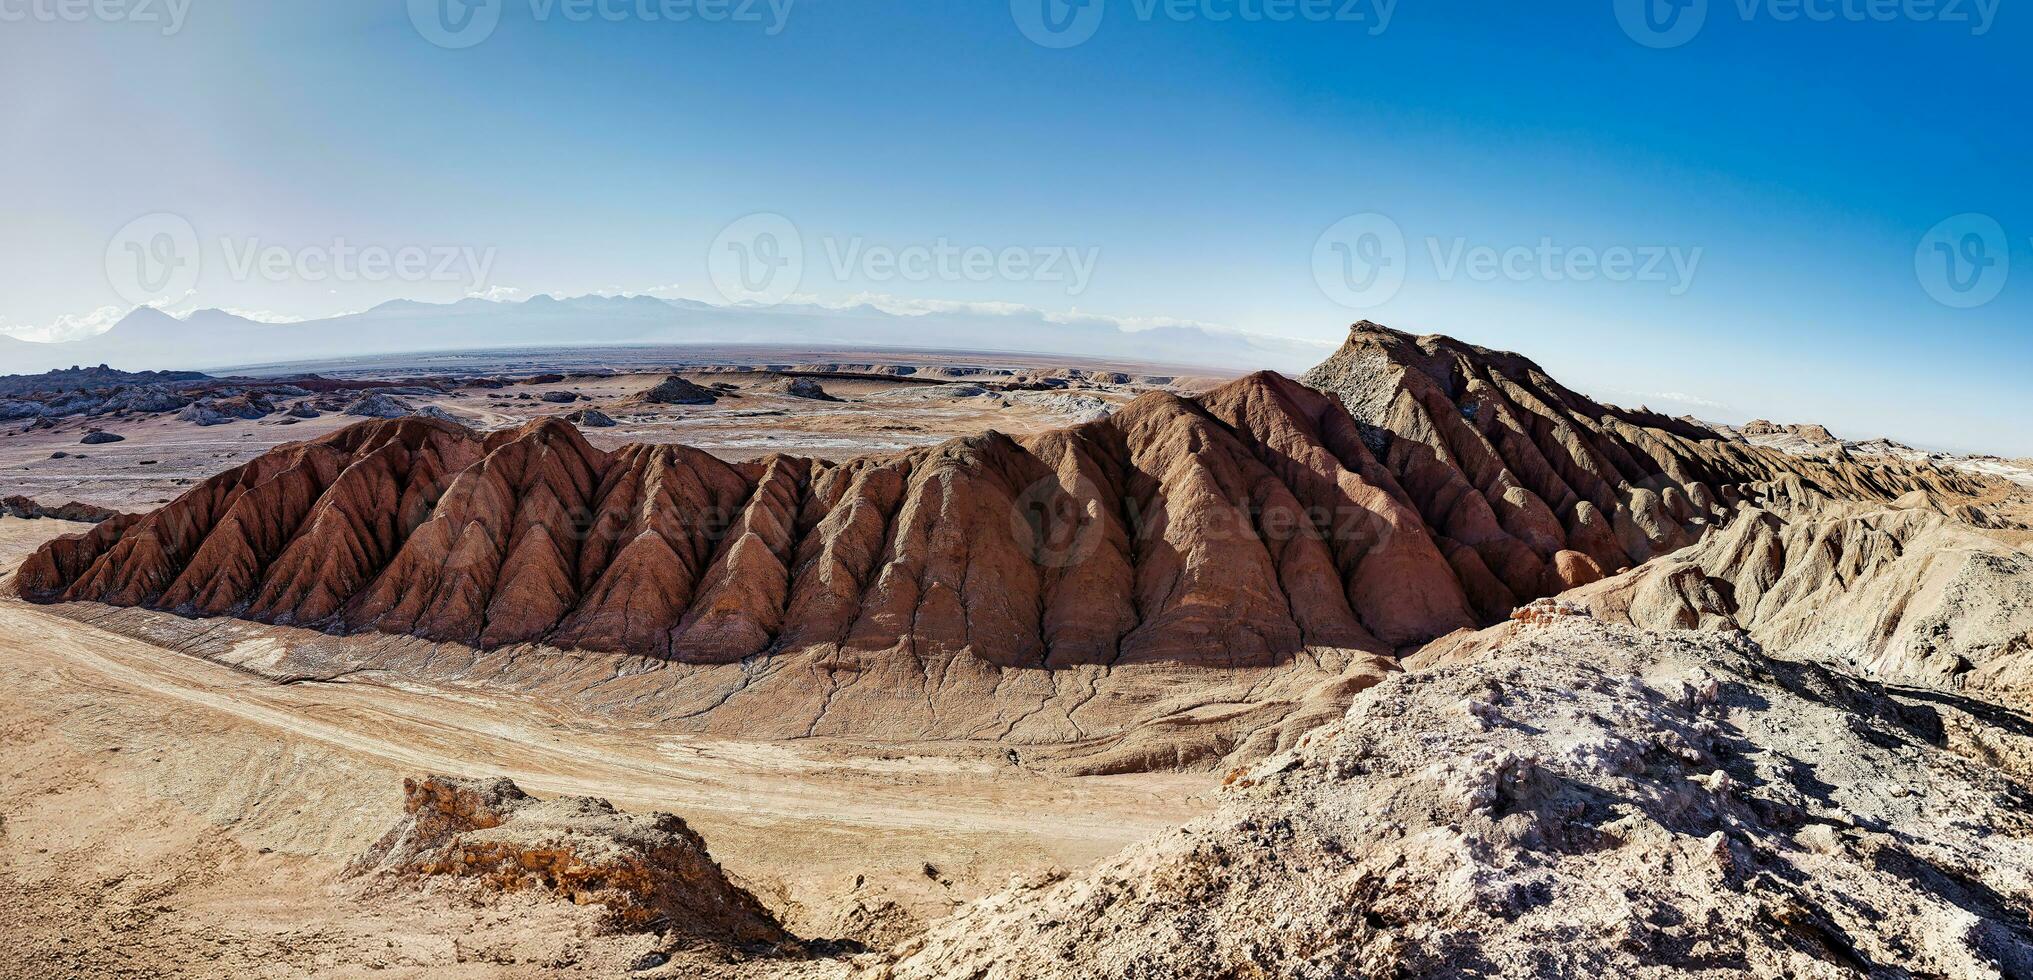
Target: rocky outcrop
(197, 398)
(101, 378)
(1262, 522)
(1899, 591)
(1816, 441)
(29, 509)
(376, 405)
(1530, 487)
(225, 409)
(674, 390)
(1807, 434)
(798, 387)
(650, 871)
(98, 392)
(1584, 801)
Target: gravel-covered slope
(1586, 800)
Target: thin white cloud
(84, 326)
(262, 316)
(70, 326)
(1685, 398)
(496, 294)
(1675, 397)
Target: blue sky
(1792, 166)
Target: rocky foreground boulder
(1584, 800)
(650, 871)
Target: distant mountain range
(210, 339)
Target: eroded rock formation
(1531, 488)
(650, 871)
(1900, 591)
(678, 391)
(1263, 521)
(1585, 800)
(27, 508)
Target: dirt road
(221, 807)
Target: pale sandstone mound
(1804, 440)
(799, 387)
(1903, 592)
(1588, 800)
(1817, 441)
(375, 405)
(650, 871)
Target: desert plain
(966, 665)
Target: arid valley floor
(993, 666)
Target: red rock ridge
(1425, 486)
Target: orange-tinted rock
(650, 871)
(740, 606)
(1417, 487)
(1534, 477)
(659, 511)
(1572, 569)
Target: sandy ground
(163, 456)
(166, 815)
